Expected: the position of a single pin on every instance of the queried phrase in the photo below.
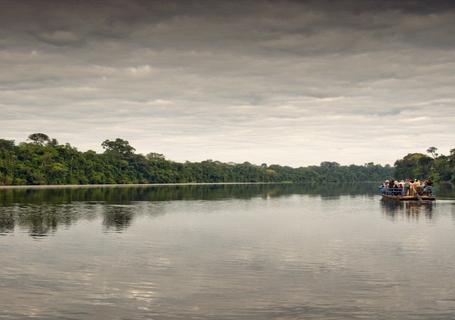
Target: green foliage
(45, 161)
(414, 165)
(118, 146)
(438, 167)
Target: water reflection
(45, 220)
(117, 218)
(6, 223)
(42, 211)
(125, 195)
(288, 252)
(41, 220)
(409, 209)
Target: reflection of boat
(410, 209)
(396, 194)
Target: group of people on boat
(408, 187)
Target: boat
(397, 195)
(409, 198)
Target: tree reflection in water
(41, 220)
(126, 194)
(42, 211)
(6, 222)
(118, 217)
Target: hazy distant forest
(43, 160)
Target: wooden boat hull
(408, 198)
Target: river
(225, 252)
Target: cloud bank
(286, 82)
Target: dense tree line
(43, 160)
(438, 167)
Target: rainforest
(44, 161)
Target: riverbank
(75, 186)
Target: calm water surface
(225, 252)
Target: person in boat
(406, 187)
(428, 187)
(401, 187)
(391, 183)
(382, 187)
(418, 186)
(413, 188)
(390, 186)
(386, 186)
(396, 188)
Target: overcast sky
(286, 82)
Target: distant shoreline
(118, 185)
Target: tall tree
(39, 138)
(433, 151)
(118, 146)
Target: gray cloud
(285, 82)
(59, 37)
